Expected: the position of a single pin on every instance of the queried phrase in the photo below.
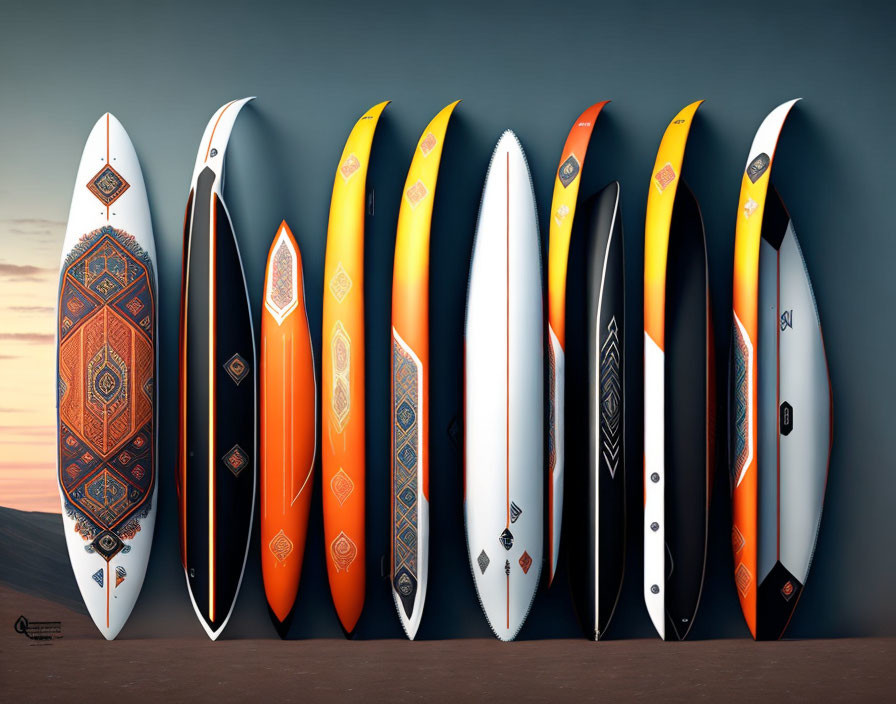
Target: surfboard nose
(509, 142)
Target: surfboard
(106, 362)
(781, 409)
(504, 395)
(679, 393)
(217, 409)
(288, 439)
(342, 376)
(409, 538)
(597, 563)
(563, 210)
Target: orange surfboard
(342, 376)
(288, 426)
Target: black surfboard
(217, 458)
(598, 561)
(689, 414)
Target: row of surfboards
(780, 404)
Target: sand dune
(34, 558)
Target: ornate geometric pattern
(427, 144)
(611, 398)
(515, 512)
(105, 382)
(506, 539)
(562, 212)
(108, 185)
(349, 166)
(98, 577)
(416, 193)
(281, 295)
(342, 486)
(341, 348)
(237, 368)
(405, 489)
(757, 167)
(742, 361)
(525, 562)
(787, 590)
(120, 574)
(343, 551)
(664, 177)
(340, 284)
(236, 460)
(568, 171)
(737, 540)
(743, 577)
(280, 546)
(483, 561)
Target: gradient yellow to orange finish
(342, 446)
(746, 302)
(288, 433)
(410, 275)
(660, 202)
(29, 265)
(561, 223)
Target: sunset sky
(29, 262)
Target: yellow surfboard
(409, 539)
(342, 375)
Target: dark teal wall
(163, 68)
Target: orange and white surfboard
(780, 400)
(342, 376)
(288, 439)
(563, 209)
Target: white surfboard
(503, 408)
(106, 368)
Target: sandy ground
(82, 666)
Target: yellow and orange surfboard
(409, 537)
(563, 208)
(288, 425)
(342, 375)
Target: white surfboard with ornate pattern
(106, 369)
